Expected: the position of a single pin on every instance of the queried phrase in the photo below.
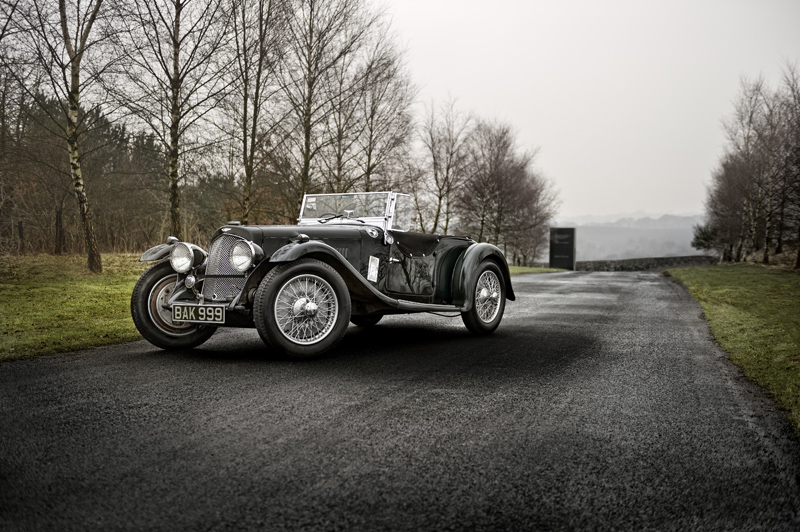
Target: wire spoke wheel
(302, 308)
(487, 296)
(489, 300)
(306, 309)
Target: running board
(426, 307)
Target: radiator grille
(229, 286)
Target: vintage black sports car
(351, 258)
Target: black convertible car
(351, 258)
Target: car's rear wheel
(366, 320)
(489, 300)
(154, 322)
(302, 308)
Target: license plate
(198, 313)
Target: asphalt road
(600, 403)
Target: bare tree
(388, 95)
(343, 92)
(10, 105)
(751, 200)
(770, 132)
(527, 229)
(258, 29)
(723, 227)
(321, 35)
(503, 200)
(59, 39)
(444, 135)
(369, 116)
(791, 151)
(741, 129)
(172, 75)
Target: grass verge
(519, 270)
(51, 304)
(754, 313)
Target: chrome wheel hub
(304, 308)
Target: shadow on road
(440, 351)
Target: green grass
(754, 313)
(52, 304)
(519, 270)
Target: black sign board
(562, 248)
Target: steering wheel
(328, 213)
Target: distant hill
(631, 238)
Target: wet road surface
(600, 403)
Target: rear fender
(465, 269)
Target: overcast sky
(624, 99)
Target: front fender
(296, 250)
(465, 269)
(158, 252)
(322, 251)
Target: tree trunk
(305, 176)
(447, 212)
(175, 228)
(498, 226)
(59, 243)
(769, 213)
(767, 230)
(92, 249)
(246, 154)
(3, 125)
(781, 213)
(368, 166)
(438, 212)
(797, 262)
(727, 254)
(248, 185)
(248, 157)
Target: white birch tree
(63, 40)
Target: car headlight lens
(242, 256)
(181, 257)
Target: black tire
(154, 322)
(489, 299)
(366, 320)
(283, 313)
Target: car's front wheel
(302, 308)
(489, 300)
(154, 322)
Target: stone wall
(637, 265)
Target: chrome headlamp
(184, 257)
(242, 255)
